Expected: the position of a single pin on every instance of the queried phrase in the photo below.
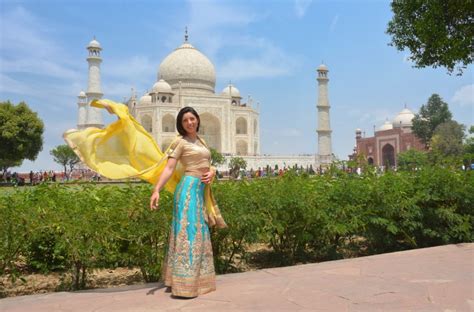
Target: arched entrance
(388, 155)
(241, 126)
(168, 123)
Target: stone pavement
(431, 279)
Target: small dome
(403, 119)
(94, 44)
(82, 94)
(386, 126)
(161, 86)
(146, 99)
(322, 67)
(358, 130)
(232, 91)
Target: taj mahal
(186, 77)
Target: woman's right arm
(164, 177)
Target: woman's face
(190, 123)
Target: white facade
(186, 77)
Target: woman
(189, 265)
(125, 149)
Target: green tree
(430, 116)
(447, 139)
(216, 157)
(21, 134)
(235, 164)
(436, 32)
(468, 157)
(412, 159)
(65, 156)
(469, 143)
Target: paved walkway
(431, 279)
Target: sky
(268, 49)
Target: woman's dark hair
(179, 119)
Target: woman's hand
(155, 198)
(207, 177)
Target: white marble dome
(146, 99)
(232, 91)
(161, 86)
(403, 119)
(191, 67)
(82, 94)
(94, 44)
(386, 126)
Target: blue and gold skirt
(189, 265)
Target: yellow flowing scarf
(124, 149)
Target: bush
(79, 228)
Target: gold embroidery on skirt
(185, 278)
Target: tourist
(189, 265)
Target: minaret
(94, 115)
(132, 102)
(324, 126)
(82, 107)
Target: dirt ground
(39, 283)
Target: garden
(74, 231)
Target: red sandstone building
(391, 139)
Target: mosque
(392, 138)
(186, 77)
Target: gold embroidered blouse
(194, 156)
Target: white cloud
(301, 6)
(211, 23)
(33, 65)
(26, 47)
(10, 85)
(267, 61)
(464, 96)
(215, 28)
(44, 67)
(119, 89)
(135, 68)
(240, 68)
(292, 132)
(52, 96)
(25, 34)
(366, 120)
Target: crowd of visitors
(33, 178)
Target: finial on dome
(186, 34)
